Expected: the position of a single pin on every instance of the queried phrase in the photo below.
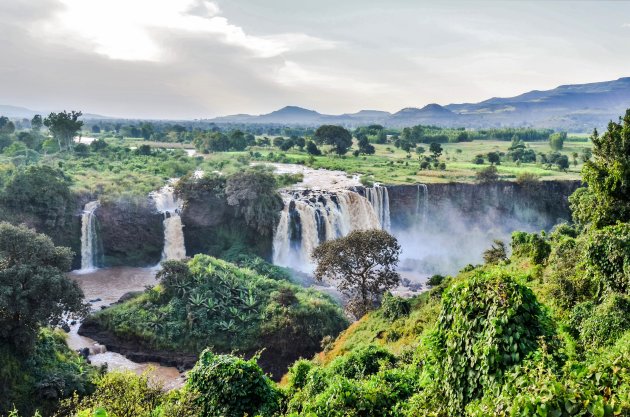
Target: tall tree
(34, 288)
(362, 265)
(64, 127)
(606, 199)
(37, 123)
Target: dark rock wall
(541, 204)
(130, 231)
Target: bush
(487, 325)
(435, 280)
(488, 175)
(394, 307)
(607, 322)
(608, 257)
(229, 386)
(530, 245)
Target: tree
(229, 386)
(436, 149)
(336, 136)
(556, 140)
(494, 158)
(6, 125)
(64, 127)
(312, 149)
(362, 265)
(365, 147)
(34, 288)
(37, 123)
(497, 253)
(606, 199)
(488, 175)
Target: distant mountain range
(16, 112)
(577, 107)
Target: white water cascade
(170, 206)
(379, 198)
(422, 205)
(89, 242)
(312, 217)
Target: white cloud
(292, 74)
(625, 25)
(127, 29)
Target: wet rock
(94, 300)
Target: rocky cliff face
(541, 204)
(212, 227)
(131, 232)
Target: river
(108, 285)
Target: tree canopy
(64, 127)
(336, 136)
(606, 199)
(34, 289)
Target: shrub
(435, 280)
(607, 322)
(608, 257)
(229, 386)
(497, 253)
(530, 245)
(487, 325)
(394, 307)
(488, 175)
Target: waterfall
(312, 217)
(170, 206)
(422, 205)
(379, 198)
(89, 242)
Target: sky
(191, 59)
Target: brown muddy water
(108, 285)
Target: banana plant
(196, 300)
(227, 326)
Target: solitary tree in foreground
(362, 265)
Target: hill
(575, 107)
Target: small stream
(108, 285)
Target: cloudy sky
(199, 58)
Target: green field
(390, 165)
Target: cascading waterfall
(170, 206)
(312, 217)
(379, 198)
(422, 205)
(89, 238)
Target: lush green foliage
(34, 289)
(488, 325)
(229, 386)
(125, 394)
(607, 255)
(530, 245)
(49, 373)
(606, 200)
(214, 303)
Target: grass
(390, 165)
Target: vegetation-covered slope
(209, 302)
